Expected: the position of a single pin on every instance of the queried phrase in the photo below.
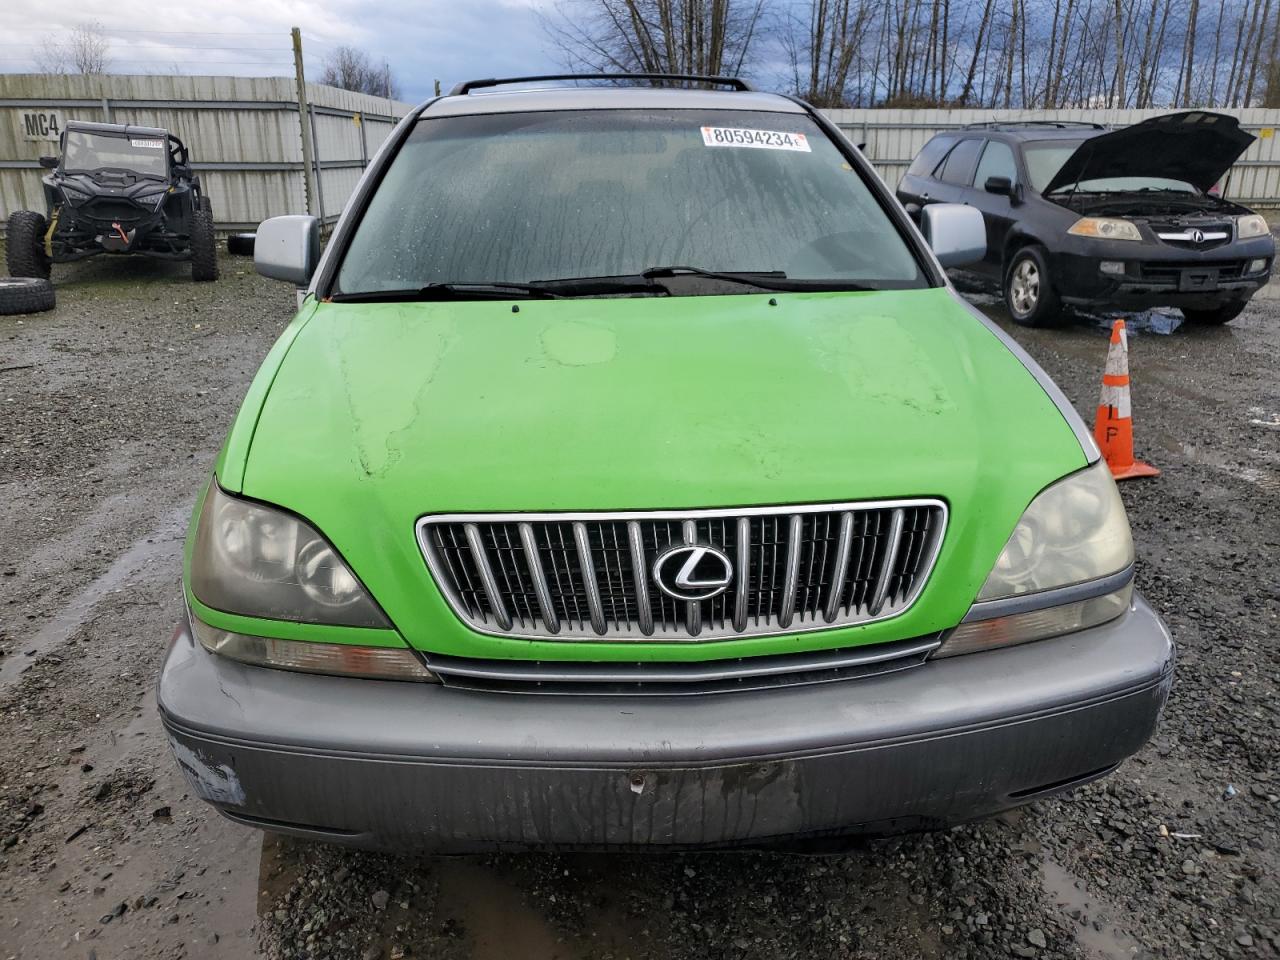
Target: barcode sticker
(758, 139)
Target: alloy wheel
(1024, 287)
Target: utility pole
(304, 120)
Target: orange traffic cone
(1114, 427)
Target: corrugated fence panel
(246, 141)
(243, 134)
(894, 137)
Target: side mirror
(49, 163)
(956, 232)
(182, 170)
(999, 185)
(288, 248)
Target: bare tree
(824, 48)
(351, 68)
(1035, 54)
(84, 50)
(1271, 95)
(1258, 35)
(656, 36)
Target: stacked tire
(27, 289)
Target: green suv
(631, 476)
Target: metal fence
(243, 134)
(246, 140)
(894, 137)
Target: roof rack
(1060, 124)
(736, 83)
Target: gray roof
(117, 130)
(607, 98)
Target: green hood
(369, 416)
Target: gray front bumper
(418, 766)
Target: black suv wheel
(1028, 290)
(25, 252)
(1218, 316)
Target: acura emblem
(692, 572)
(1197, 236)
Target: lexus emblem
(1197, 236)
(693, 572)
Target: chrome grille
(1180, 234)
(589, 576)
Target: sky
(423, 41)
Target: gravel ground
(111, 410)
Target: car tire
(241, 244)
(25, 295)
(25, 250)
(1028, 290)
(1217, 316)
(204, 248)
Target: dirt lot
(111, 410)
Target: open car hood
(1195, 146)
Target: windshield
(527, 197)
(86, 152)
(1046, 159)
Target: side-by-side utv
(116, 189)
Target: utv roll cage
(178, 156)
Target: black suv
(1081, 215)
(116, 189)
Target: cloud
(422, 41)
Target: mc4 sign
(40, 125)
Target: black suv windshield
(87, 152)
(1046, 159)
(542, 196)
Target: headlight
(73, 195)
(152, 200)
(1251, 226)
(1074, 534)
(306, 656)
(1075, 530)
(259, 561)
(1105, 228)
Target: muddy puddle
(162, 546)
(1095, 929)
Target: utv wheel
(241, 244)
(25, 239)
(1218, 316)
(25, 295)
(1028, 291)
(204, 251)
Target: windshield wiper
(496, 290)
(761, 279)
